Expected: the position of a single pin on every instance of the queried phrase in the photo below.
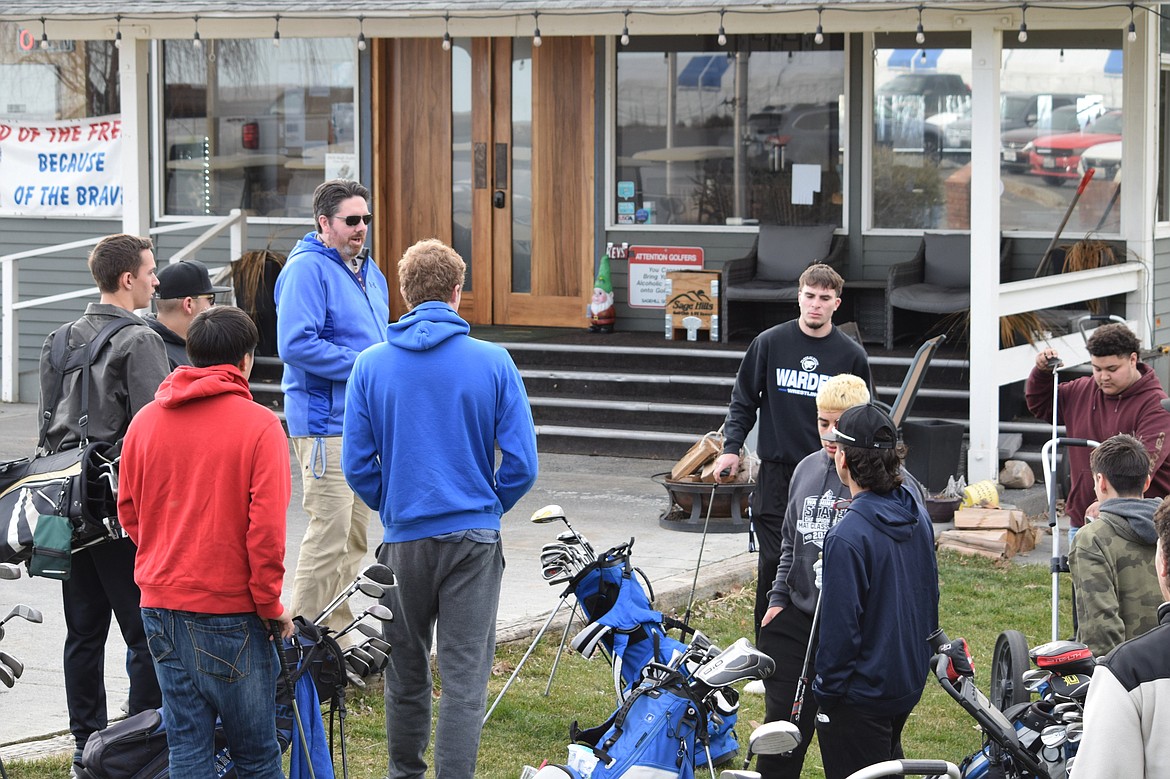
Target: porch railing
(236, 224)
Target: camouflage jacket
(1112, 563)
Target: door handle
(499, 200)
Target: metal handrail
(10, 304)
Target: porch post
(132, 69)
(983, 450)
(1139, 183)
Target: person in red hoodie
(203, 491)
(1122, 396)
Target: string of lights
(726, 17)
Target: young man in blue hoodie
(425, 413)
(879, 601)
(331, 303)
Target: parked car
(801, 133)
(904, 105)
(1016, 110)
(1056, 158)
(1015, 144)
(1106, 158)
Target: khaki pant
(335, 541)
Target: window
(747, 133)
(921, 99)
(255, 126)
(63, 80)
(1060, 113)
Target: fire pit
(690, 500)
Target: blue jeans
(211, 665)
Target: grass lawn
(979, 600)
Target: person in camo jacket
(1112, 558)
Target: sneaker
(754, 687)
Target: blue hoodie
(425, 412)
(326, 315)
(879, 602)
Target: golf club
(13, 664)
(24, 612)
(7, 677)
(702, 543)
(371, 631)
(9, 571)
(554, 513)
(377, 656)
(359, 662)
(739, 661)
(375, 573)
(771, 738)
(274, 629)
(375, 610)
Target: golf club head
(371, 589)
(359, 662)
(370, 630)
(24, 612)
(1054, 736)
(9, 571)
(355, 680)
(13, 664)
(550, 513)
(379, 658)
(379, 612)
(381, 644)
(377, 572)
(7, 677)
(738, 773)
(738, 662)
(774, 738)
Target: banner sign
(648, 266)
(67, 168)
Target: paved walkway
(608, 500)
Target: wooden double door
(490, 148)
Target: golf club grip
(274, 629)
(798, 702)
(1074, 442)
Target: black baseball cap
(186, 278)
(865, 426)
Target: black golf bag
(137, 748)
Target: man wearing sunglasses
(184, 290)
(331, 303)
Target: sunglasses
(353, 219)
(210, 297)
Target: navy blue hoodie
(879, 603)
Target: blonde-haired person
(816, 501)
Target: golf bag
(634, 636)
(137, 748)
(659, 731)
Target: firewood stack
(997, 533)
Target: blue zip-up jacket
(425, 412)
(879, 602)
(326, 315)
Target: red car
(1055, 157)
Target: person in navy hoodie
(879, 601)
(425, 413)
(331, 303)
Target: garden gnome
(601, 311)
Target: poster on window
(68, 168)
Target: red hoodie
(1087, 412)
(203, 490)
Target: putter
(13, 664)
(274, 629)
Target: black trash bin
(933, 450)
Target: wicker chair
(769, 272)
(937, 280)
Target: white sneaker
(755, 687)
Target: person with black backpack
(76, 409)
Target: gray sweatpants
(456, 585)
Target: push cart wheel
(1008, 663)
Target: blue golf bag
(633, 635)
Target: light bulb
(625, 39)
(920, 36)
(1132, 34)
(446, 41)
(819, 38)
(536, 40)
(722, 39)
(1023, 36)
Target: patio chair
(769, 272)
(937, 280)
